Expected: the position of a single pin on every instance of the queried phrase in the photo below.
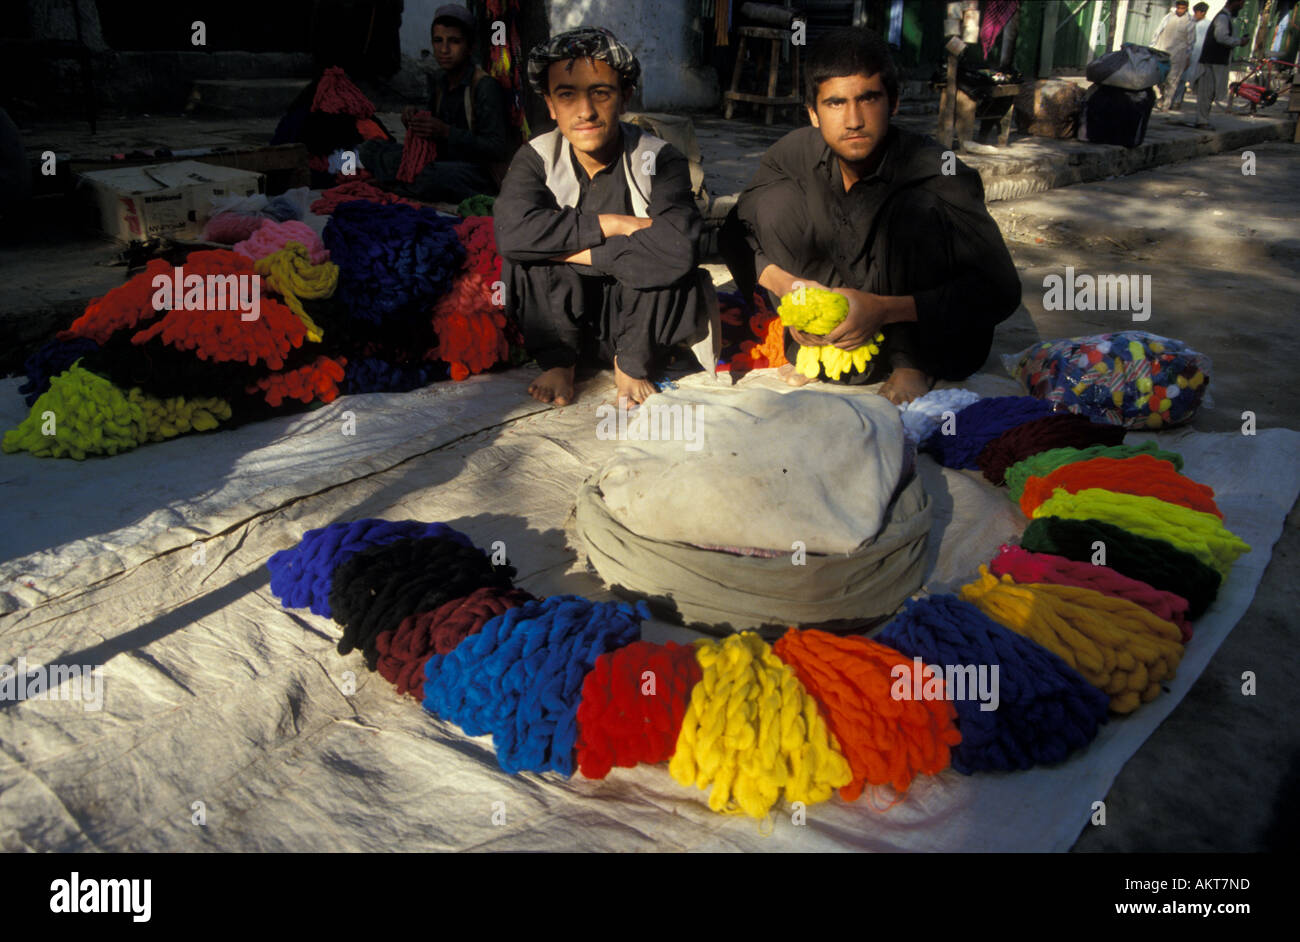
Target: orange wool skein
(471, 329)
(317, 380)
(125, 306)
(1141, 475)
(773, 346)
(886, 741)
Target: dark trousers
(572, 313)
(443, 181)
(909, 249)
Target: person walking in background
(1175, 35)
(1202, 25)
(1212, 82)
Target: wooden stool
(771, 100)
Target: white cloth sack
(757, 469)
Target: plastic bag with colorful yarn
(1129, 378)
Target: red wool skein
(1141, 475)
(477, 235)
(332, 198)
(404, 650)
(317, 380)
(1025, 567)
(335, 94)
(1058, 430)
(633, 702)
(125, 306)
(471, 329)
(417, 153)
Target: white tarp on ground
(215, 694)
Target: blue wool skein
(520, 678)
(1046, 710)
(371, 374)
(393, 260)
(924, 414)
(978, 424)
(49, 361)
(301, 576)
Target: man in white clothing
(1175, 35)
(1202, 25)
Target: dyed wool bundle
(771, 352)
(1025, 567)
(1141, 475)
(302, 576)
(335, 94)
(317, 380)
(292, 274)
(371, 374)
(1200, 534)
(392, 259)
(633, 703)
(924, 414)
(49, 361)
(1155, 562)
(90, 416)
(353, 191)
(520, 678)
(1058, 430)
(272, 237)
(1118, 646)
(167, 418)
(417, 153)
(125, 306)
(752, 731)
(887, 741)
(1045, 463)
(1045, 710)
(471, 329)
(229, 228)
(480, 204)
(404, 650)
(478, 237)
(380, 585)
(980, 423)
(818, 311)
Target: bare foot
(555, 385)
(633, 390)
(904, 385)
(787, 372)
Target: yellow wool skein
(89, 415)
(752, 730)
(1199, 533)
(290, 273)
(1115, 644)
(167, 418)
(819, 311)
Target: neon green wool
(167, 418)
(80, 414)
(818, 311)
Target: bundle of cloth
(712, 511)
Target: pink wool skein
(229, 228)
(272, 237)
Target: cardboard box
(138, 203)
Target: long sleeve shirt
(531, 226)
(489, 141)
(986, 289)
(1176, 34)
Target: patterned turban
(586, 42)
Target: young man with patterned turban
(597, 227)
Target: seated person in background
(877, 214)
(597, 228)
(467, 120)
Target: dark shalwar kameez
(906, 229)
(639, 297)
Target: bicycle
(1267, 80)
